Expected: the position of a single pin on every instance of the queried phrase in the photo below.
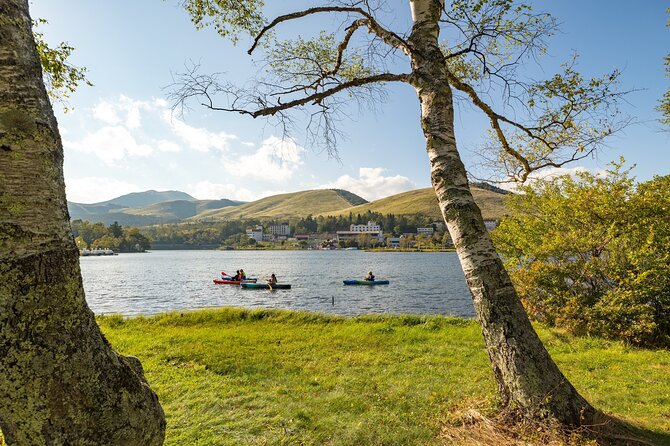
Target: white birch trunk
(60, 381)
(527, 377)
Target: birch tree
(60, 380)
(463, 51)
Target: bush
(592, 254)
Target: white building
(281, 229)
(372, 226)
(256, 233)
(428, 231)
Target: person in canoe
(370, 277)
(243, 275)
(236, 276)
(272, 280)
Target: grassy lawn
(233, 376)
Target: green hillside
(423, 201)
(287, 205)
(178, 210)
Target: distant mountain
(147, 198)
(145, 208)
(424, 201)
(296, 204)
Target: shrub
(592, 254)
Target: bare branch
(387, 36)
(569, 127)
(317, 98)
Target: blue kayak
(366, 282)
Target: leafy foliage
(592, 254)
(664, 106)
(61, 79)
(228, 17)
(116, 237)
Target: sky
(123, 135)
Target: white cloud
(276, 160)
(205, 190)
(198, 138)
(168, 146)
(111, 112)
(106, 112)
(553, 172)
(371, 184)
(110, 144)
(95, 189)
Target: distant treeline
(231, 233)
(98, 236)
(390, 223)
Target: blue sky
(123, 138)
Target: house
(356, 235)
(393, 242)
(255, 233)
(428, 231)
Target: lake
(158, 281)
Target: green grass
(287, 205)
(424, 201)
(179, 209)
(233, 376)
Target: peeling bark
(60, 381)
(528, 379)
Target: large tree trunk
(60, 381)
(527, 377)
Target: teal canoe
(265, 286)
(366, 282)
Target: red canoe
(233, 282)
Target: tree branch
(317, 98)
(387, 36)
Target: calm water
(159, 281)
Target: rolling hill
(314, 202)
(423, 201)
(129, 210)
(180, 209)
(145, 208)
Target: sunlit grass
(233, 376)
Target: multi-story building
(280, 229)
(356, 231)
(255, 233)
(372, 226)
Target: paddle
(269, 286)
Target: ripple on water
(133, 284)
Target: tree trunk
(528, 379)
(60, 381)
